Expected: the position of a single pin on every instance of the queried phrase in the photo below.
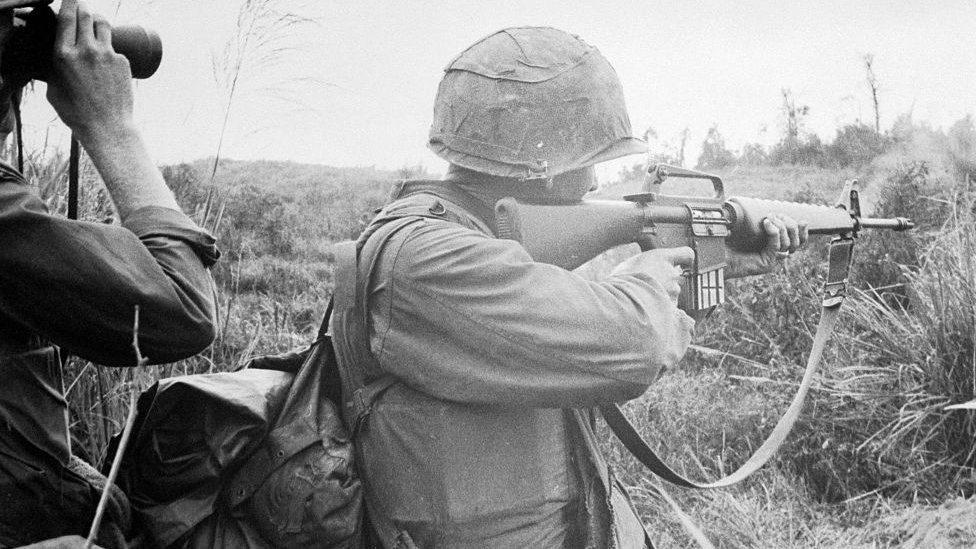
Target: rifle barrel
(893, 223)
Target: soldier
(75, 285)
(482, 435)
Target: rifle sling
(632, 440)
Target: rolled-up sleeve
(465, 317)
(77, 283)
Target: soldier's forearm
(122, 159)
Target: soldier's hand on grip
(665, 265)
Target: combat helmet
(530, 103)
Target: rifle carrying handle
(659, 172)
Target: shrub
(962, 147)
(190, 192)
(856, 145)
(903, 352)
(714, 154)
(753, 154)
(885, 406)
(883, 256)
(255, 222)
(807, 151)
(269, 274)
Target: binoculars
(29, 51)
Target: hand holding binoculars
(28, 53)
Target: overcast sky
(358, 87)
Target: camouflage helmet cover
(530, 102)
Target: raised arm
(76, 283)
(91, 89)
(555, 339)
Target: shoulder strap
(834, 293)
(352, 341)
(355, 262)
(324, 326)
(344, 295)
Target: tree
(873, 83)
(685, 134)
(962, 145)
(753, 154)
(790, 144)
(714, 153)
(796, 147)
(903, 127)
(663, 152)
(418, 171)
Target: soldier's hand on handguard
(665, 265)
(784, 236)
(90, 86)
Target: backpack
(262, 457)
(253, 458)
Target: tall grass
(913, 361)
(263, 37)
(274, 279)
(877, 426)
(875, 433)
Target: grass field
(875, 445)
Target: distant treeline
(855, 146)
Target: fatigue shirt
(484, 441)
(76, 284)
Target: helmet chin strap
(561, 188)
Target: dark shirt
(75, 285)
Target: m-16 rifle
(569, 235)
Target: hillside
(284, 177)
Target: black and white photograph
(463, 275)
